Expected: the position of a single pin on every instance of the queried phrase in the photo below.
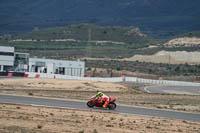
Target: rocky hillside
(178, 57)
(183, 42)
(159, 18)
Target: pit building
(21, 62)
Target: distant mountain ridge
(159, 18)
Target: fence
(114, 79)
(167, 82)
(57, 76)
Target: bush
(82, 131)
(39, 126)
(30, 94)
(95, 131)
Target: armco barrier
(25, 75)
(130, 79)
(167, 82)
(57, 76)
(37, 76)
(10, 74)
(115, 79)
(18, 74)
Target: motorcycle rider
(102, 97)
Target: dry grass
(28, 119)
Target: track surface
(82, 105)
(192, 90)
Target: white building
(50, 66)
(20, 62)
(7, 58)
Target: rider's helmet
(100, 94)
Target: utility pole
(88, 43)
(89, 35)
(169, 59)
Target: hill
(191, 34)
(83, 40)
(183, 42)
(167, 57)
(90, 33)
(157, 18)
(187, 40)
(86, 40)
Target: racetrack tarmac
(189, 90)
(81, 105)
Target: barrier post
(37, 76)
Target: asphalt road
(82, 105)
(191, 90)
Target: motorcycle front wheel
(112, 106)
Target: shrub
(30, 93)
(39, 126)
(82, 131)
(95, 131)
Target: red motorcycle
(94, 101)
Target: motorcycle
(94, 102)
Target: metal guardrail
(114, 79)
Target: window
(7, 53)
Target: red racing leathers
(104, 98)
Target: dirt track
(27, 119)
(54, 84)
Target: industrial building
(7, 57)
(72, 68)
(21, 62)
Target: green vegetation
(88, 32)
(67, 50)
(158, 69)
(191, 34)
(120, 42)
(75, 50)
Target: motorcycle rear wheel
(89, 104)
(112, 106)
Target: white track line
(145, 89)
